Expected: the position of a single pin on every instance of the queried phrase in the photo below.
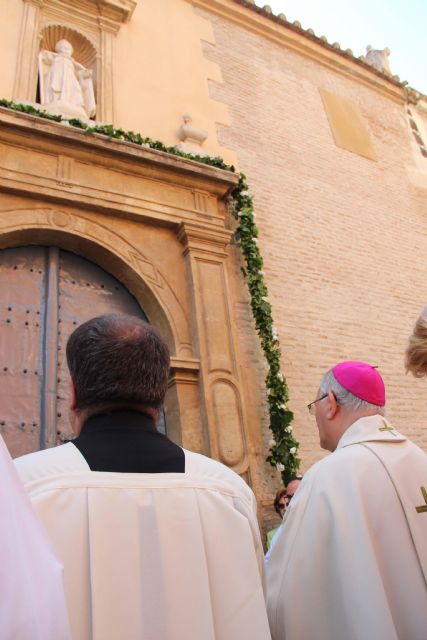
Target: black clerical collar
(127, 441)
(125, 419)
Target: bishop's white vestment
(350, 562)
(152, 556)
(32, 603)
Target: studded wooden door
(44, 294)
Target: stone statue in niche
(66, 86)
(378, 58)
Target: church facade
(334, 149)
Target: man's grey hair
(346, 398)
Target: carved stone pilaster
(26, 68)
(222, 402)
(182, 405)
(105, 88)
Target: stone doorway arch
(105, 247)
(45, 293)
(49, 246)
(96, 241)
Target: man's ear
(73, 396)
(332, 406)
(75, 417)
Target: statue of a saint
(66, 86)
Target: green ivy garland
(283, 446)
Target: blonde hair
(416, 351)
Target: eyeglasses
(311, 407)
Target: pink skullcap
(362, 380)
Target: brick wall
(344, 238)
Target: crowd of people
(129, 536)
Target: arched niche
(84, 49)
(84, 52)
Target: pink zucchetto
(362, 380)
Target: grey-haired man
(351, 559)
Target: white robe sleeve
(32, 604)
(244, 498)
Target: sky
(400, 25)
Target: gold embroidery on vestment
(423, 507)
(387, 428)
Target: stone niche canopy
(84, 49)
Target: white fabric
(347, 565)
(152, 556)
(32, 604)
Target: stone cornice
(36, 3)
(204, 240)
(48, 161)
(145, 161)
(121, 9)
(306, 43)
(184, 371)
(108, 14)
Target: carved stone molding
(61, 219)
(204, 239)
(41, 158)
(79, 233)
(118, 11)
(113, 13)
(184, 371)
(183, 405)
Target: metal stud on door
(22, 287)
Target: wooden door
(45, 293)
